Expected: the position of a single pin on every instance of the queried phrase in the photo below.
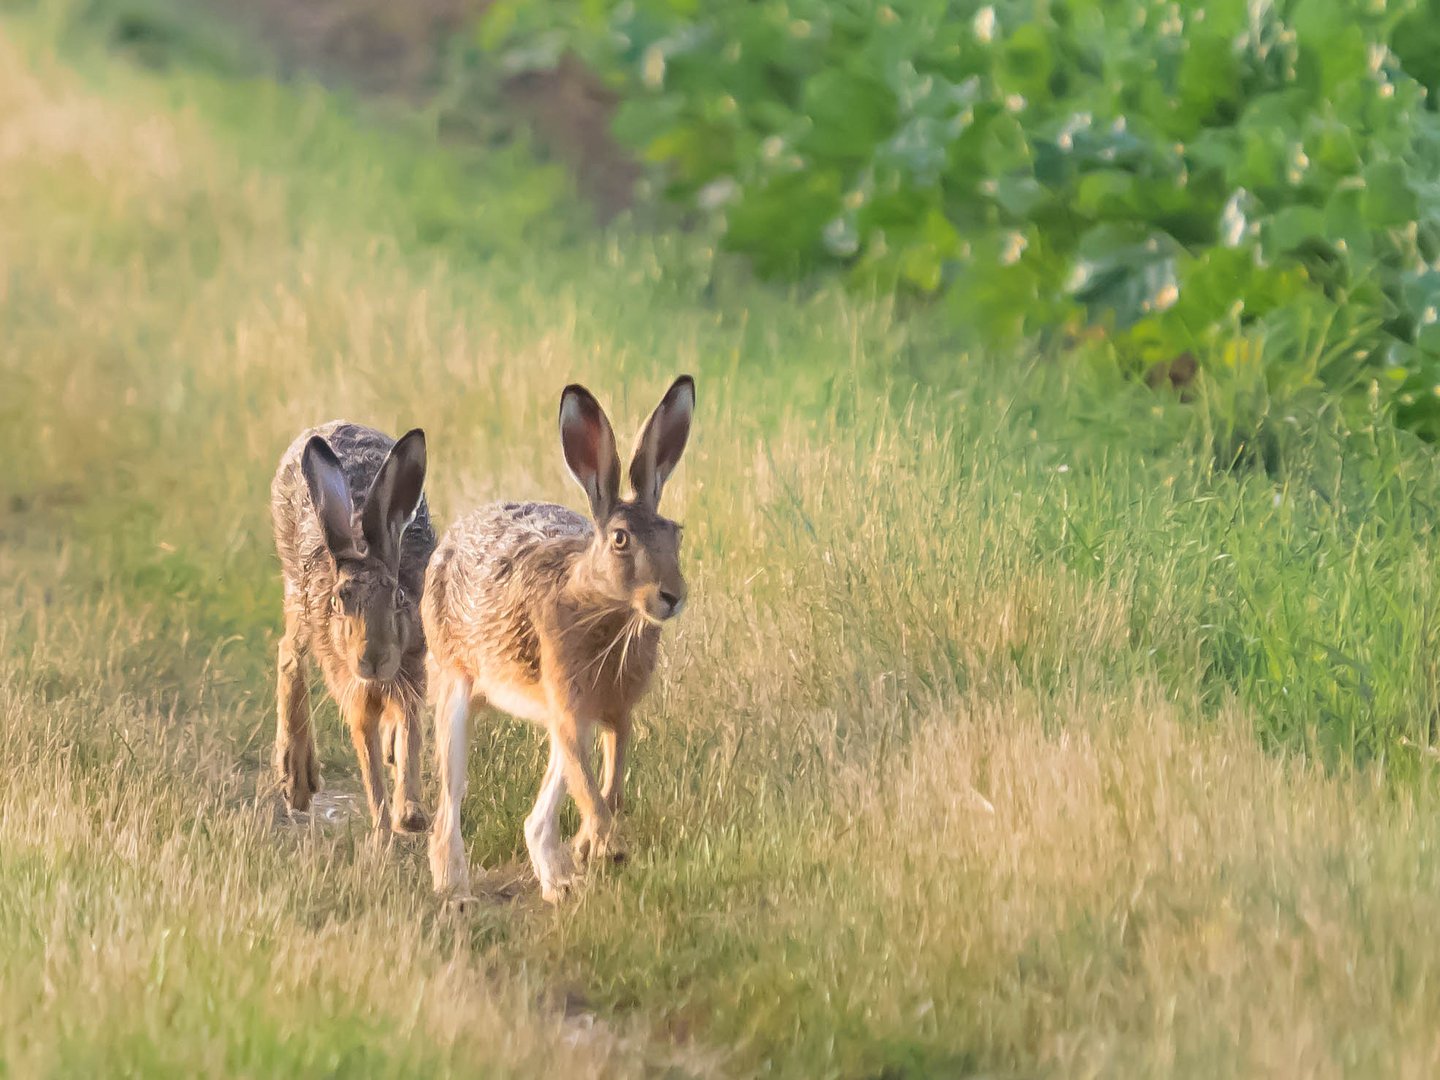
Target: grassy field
(1022, 723)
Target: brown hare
(556, 619)
(354, 534)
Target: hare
(353, 533)
(556, 619)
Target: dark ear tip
(318, 446)
(576, 396)
(574, 389)
(684, 382)
(415, 448)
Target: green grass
(1023, 722)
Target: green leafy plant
(1133, 178)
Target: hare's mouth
(376, 673)
(651, 618)
(375, 678)
(661, 608)
(398, 684)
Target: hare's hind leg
(449, 866)
(295, 764)
(548, 856)
(402, 726)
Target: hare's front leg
(362, 717)
(402, 721)
(542, 830)
(597, 838)
(449, 866)
(614, 741)
(295, 763)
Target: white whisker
(599, 661)
(633, 629)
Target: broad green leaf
(1108, 193)
(1026, 62)
(1388, 200)
(1292, 227)
(850, 111)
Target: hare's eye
(620, 539)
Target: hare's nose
(672, 602)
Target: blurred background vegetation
(1128, 180)
(1239, 191)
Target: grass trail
(1006, 733)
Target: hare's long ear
(589, 445)
(331, 496)
(394, 497)
(662, 441)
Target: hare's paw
(559, 889)
(597, 843)
(463, 906)
(299, 774)
(556, 874)
(449, 868)
(557, 892)
(411, 818)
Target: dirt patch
(332, 808)
(570, 110)
(329, 808)
(384, 48)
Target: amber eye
(620, 539)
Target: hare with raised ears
(354, 534)
(556, 619)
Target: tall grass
(1021, 723)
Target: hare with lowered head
(354, 534)
(556, 619)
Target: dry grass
(942, 777)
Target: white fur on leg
(449, 866)
(542, 831)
